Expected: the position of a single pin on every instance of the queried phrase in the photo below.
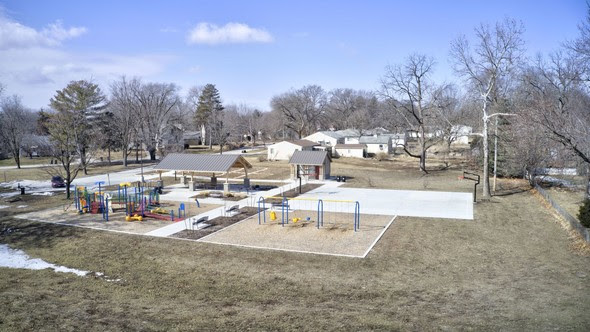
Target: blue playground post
(99, 183)
(181, 208)
(284, 204)
(320, 213)
(106, 203)
(357, 216)
(263, 208)
(171, 215)
(197, 201)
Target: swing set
(338, 210)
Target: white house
(351, 150)
(461, 134)
(285, 149)
(327, 138)
(352, 139)
(377, 144)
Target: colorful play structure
(138, 200)
(308, 204)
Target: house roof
(201, 162)
(303, 142)
(374, 139)
(333, 134)
(315, 158)
(191, 135)
(348, 132)
(350, 146)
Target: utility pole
(495, 154)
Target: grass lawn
(512, 268)
(43, 173)
(570, 200)
(25, 161)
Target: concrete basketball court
(411, 203)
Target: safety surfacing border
(332, 239)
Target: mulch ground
(217, 224)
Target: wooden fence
(576, 225)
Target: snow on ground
(44, 187)
(4, 207)
(18, 259)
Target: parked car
(57, 182)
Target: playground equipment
(339, 210)
(136, 199)
(133, 217)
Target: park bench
(199, 221)
(233, 209)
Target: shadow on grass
(33, 234)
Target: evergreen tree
(84, 103)
(209, 114)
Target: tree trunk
(109, 154)
(422, 141)
(83, 160)
(17, 160)
(152, 152)
(68, 190)
(124, 157)
(486, 155)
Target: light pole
(141, 164)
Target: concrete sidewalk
(180, 226)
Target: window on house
(272, 150)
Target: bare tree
(497, 51)
(154, 105)
(16, 123)
(302, 109)
(558, 103)
(412, 95)
(124, 109)
(65, 146)
(355, 109)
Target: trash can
(22, 190)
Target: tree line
(532, 112)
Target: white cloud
(207, 33)
(194, 69)
(14, 35)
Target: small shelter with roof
(193, 164)
(285, 149)
(315, 165)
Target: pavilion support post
(226, 184)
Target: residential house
(351, 150)
(285, 149)
(377, 144)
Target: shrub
(584, 214)
(262, 158)
(382, 156)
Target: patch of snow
(44, 193)
(18, 259)
(8, 195)
(22, 206)
(4, 207)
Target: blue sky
(252, 50)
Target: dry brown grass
(512, 268)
